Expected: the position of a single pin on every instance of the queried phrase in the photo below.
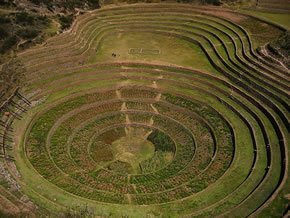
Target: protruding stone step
(118, 93)
(154, 108)
(124, 107)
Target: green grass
(172, 51)
(159, 160)
(133, 149)
(53, 28)
(241, 135)
(276, 18)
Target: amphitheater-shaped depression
(162, 110)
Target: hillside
(25, 23)
(280, 48)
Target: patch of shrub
(94, 3)
(24, 18)
(8, 44)
(3, 33)
(161, 141)
(28, 33)
(66, 21)
(68, 4)
(7, 3)
(4, 19)
(283, 43)
(280, 48)
(38, 2)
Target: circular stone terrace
(158, 110)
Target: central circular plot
(133, 149)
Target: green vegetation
(133, 149)
(281, 19)
(11, 77)
(161, 141)
(176, 52)
(280, 48)
(66, 21)
(26, 24)
(157, 110)
(69, 4)
(157, 162)
(20, 29)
